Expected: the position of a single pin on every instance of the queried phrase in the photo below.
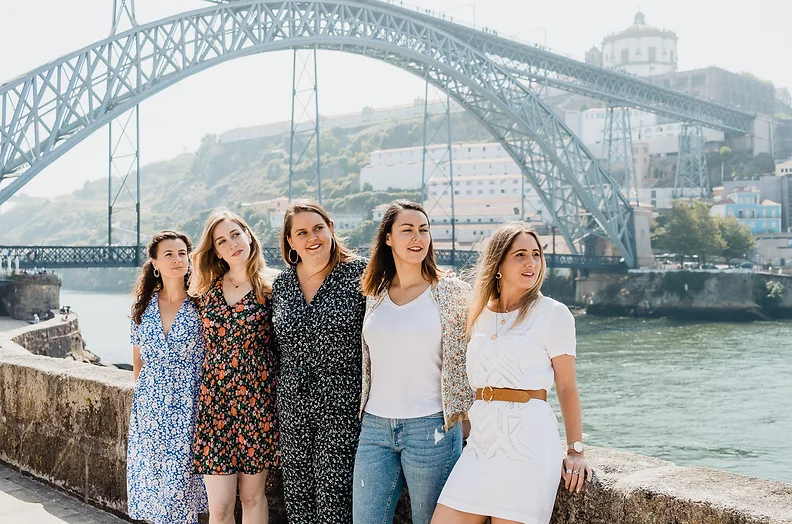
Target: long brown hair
(486, 286)
(381, 267)
(207, 266)
(338, 252)
(148, 283)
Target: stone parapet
(24, 295)
(53, 338)
(67, 422)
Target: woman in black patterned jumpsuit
(318, 313)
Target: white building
(641, 50)
(366, 116)
(661, 139)
(484, 175)
(275, 209)
(784, 168)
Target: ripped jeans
(417, 451)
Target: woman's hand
(575, 472)
(465, 429)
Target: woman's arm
(137, 362)
(576, 470)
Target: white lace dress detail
(511, 466)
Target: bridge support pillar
(692, 179)
(305, 167)
(124, 148)
(617, 151)
(437, 169)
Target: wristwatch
(576, 446)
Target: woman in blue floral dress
(169, 350)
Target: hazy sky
(754, 37)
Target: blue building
(760, 216)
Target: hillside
(181, 192)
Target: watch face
(578, 447)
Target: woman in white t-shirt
(415, 391)
(521, 342)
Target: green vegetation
(181, 192)
(688, 230)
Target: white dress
(511, 466)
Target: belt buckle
(483, 394)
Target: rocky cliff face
(701, 295)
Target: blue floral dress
(161, 487)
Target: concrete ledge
(67, 422)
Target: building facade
(641, 50)
(744, 204)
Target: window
(625, 56)
(492, 191)
(467, 192)
(456, 192)
(480, 192)
(652, 54)
(672, 57)
(467, 183)
(503, 191)
(654, 193)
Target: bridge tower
(124, 144)
(617, 151)
(692, 178)
(305, 167)
(437, 166)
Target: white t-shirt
(406, 358)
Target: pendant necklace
(502, 322)
(236, 286)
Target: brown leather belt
(510, 395)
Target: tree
(689, 230)
(736, 237)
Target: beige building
(774, 249)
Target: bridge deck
(65, 257)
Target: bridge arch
(48, 111)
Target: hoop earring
(156, 273)
(293, 262)
(332, 243)
(497, 281)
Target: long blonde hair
(486, 286)
(207, 266)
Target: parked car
(747, 265)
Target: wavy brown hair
(147, 283)
(208, 267)
(338, 252)
(486, 286)
(381, 267)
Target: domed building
(641, 49)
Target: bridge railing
(65, 257)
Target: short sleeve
(561, 337)
(134, 332)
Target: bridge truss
(72, 257)
(46, 112)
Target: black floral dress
(236, 425)
(319, 392)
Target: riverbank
(721, 296)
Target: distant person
(62, 312)
(35, 318)
(318, 312)
(520, 343)
(236, 435)
(415, 392)
(168, 351)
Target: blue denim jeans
(417, 451)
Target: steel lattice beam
(46, 112)
(545, 68)
(70, 257)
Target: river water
(697, 394)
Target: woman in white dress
(520, 342)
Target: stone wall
(52, 338)
(695, 295)
(67, 422)
(26, 295)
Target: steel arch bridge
(48, 111)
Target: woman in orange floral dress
(236, 428)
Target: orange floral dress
(236, 425)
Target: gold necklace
(502, 322)
(236, 286)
